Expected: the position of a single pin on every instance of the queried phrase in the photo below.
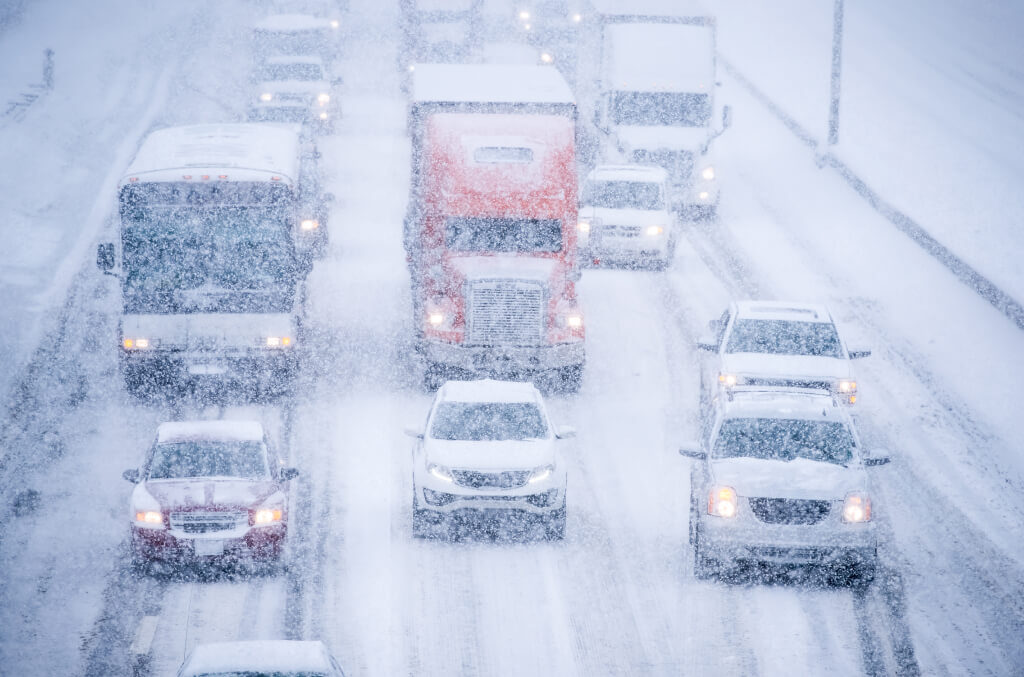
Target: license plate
(206, 369)
(208, 548)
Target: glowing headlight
(704, 195)
(574, 321)
(335, 23)
(583, 226)
(138, 343)
(278, 341)
(542, 473)
(440, 472)
(412, 67)
(576, 18)
(266, 96)
(846, 386)
(149, 517)
(309, 224)
(857, 508)
(323, 116)
(267, 516)
(436, 319)
(323, 99)
(524, 15)
(722, 502)
(546, 58)
(728, 380)
(708, 173)
(653, 231)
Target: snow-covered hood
(800, 478)
(627, 217)
(207, 331)
(786, 366)
(652, 138)
(533, 268)
(513, 455)
(209, 493)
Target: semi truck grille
(206, 522)
(506, 312)
(499, 480)
(789, 511)
(787, 382)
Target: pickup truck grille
(509, 312)
(787, 382)
(206, 522)
(612, 230)
(511, 479)
(789, 511)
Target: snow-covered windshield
(209, 458)
(474, 421)
(623, 195)
(784, 337)
(661, 109)
(507, 234)
(290, 71)
(226, 259)
(780, 439)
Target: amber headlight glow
(722, 502)
(857, 508)
(149, 517)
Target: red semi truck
(491, 229)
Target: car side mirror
(289, 474)
(858, 354)
(105, 259)
(726, 117)
(878, 457)
(327, 197)
(131, 475)
(564, 432)
(707, 346)
(692, 450)
(337, 82)
(413, 432)
(715, 326)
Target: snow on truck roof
(280, 656)
(238, 431)
(489, 83)
(489, 390)
(244, 147)
(648, 173)
(783, 310)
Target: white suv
(624, 216)
(782, 480)
(295, 88)
(488, 451)
(777, 344)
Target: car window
(623, 195)
(473, 421)
(780, 439)
(784, 337)
(209, 458)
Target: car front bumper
(164, 367)
(743, 538)
(168, 545)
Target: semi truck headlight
(708, 173)
(722, 502)
(436, 318)
(309, 224)
(542, 473)
(857, 508)
(653, 231)
(278, 341)
(266, 96)
(323, 99)
(574, 321)
(440, 472)
(583, 226)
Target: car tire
(554, 525)
(570, 379)
(704, 567)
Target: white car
(295, 88)
(624, 216)
(209, 490)
(488, 450)
(277, 657)
(777, 344)
(782, 480)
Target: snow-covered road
(618, 596)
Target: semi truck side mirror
(726, 117)
(105, 257)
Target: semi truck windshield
(653, 109)
(487, 234)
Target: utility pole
(837, 63)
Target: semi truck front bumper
(502, 359)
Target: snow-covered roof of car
(801, 403)
(179, 431)
(627, 173)
(489, 83)
(660, 57)
(249, 149)
(292, 22)
(275, 655)
(290, 59)
(489, 390)
(783, 310)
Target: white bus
(211, 255)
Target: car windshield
(784, 337)
(677, 109)
(209, 458)
(290, 71)
(623, 195)
(499, 421)
(783, 439)
(463, 234)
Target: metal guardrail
(16, 108)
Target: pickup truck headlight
(654, 231)
(267, 516)
(278, 341)
(722, 502)
(149, 518)
(542, 473)
(857, 508)
(727, 380)
(440, 472)
(139, 343)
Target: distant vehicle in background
(298, 35)
(438, 31)
(782, 481)
(777, 344)
(624, 216)
(261, 658)
(488, 451)
(209, 490)
(296, 88)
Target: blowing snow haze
(511, 338)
